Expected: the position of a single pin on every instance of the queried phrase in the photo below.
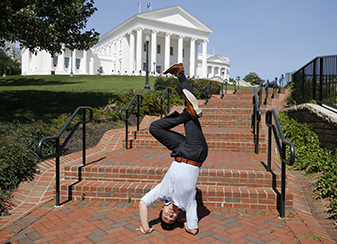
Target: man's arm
(192, 218)
(144, 219)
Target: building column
(85, 62)
(91, 66)
(118, 47)
(212, 71)
(139, 50)
(180, 49)
(73, 60)
(124, 62)
(153, 51)
(192, 58)
(61, 62)
(167, 50)
(25, 61)
(132, 53)
(204, 59)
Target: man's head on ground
(168, 216)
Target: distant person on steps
(178, 187)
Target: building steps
(232, 176)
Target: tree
(253, 78)
(49, 25)
(8, 66)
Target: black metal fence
(317, 80)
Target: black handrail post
(269, 144)
(283, 183)
(57, 169)
(84, 139)
(256, 119)
(226, 87)
(59, 147)
(128, 114)
(206, 89)
(320, 79)
(126, 134)
(282, 152)
(162, 98)
(168, 104)
(138, 111)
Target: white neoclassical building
(173, 36)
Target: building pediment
(218, 59)
(176, 16)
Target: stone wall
(323, 120)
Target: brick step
(216, 177)
(228, 117)
(229, 111)
(209, 195)
(213, 145)
(234, 103)
(239, 133)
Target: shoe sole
(193, 101)
(167, 71)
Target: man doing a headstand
(178, 187)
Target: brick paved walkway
(113, 222)
(35, 219)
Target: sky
(268, 37)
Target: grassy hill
(46, 97)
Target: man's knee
(154, 127)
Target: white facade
(173, 36)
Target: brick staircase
(232, 175)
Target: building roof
(165, 19)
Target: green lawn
(46, 97)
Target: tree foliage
(8, 66)
(47, 24)
(253, 78)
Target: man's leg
(185, 90)
(161, 129)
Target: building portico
(174, 37)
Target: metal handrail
(126, 119)
(259, 93)
(267, 93)
(166, 94)
(256, 119)
(237, 79)
(281, 146)
(280, 83)
(59, 148)
(274, 85)
(225, 81)
(207, 91)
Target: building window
(66, 62)
(183, 53)
(55, 58)
(158, 69)
(145, 47)
(158, 49)
(78, 62)
(144, 66)
(171, 51)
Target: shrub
(197, 84)
(312, 158)
(18, 157)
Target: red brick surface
(240, 205)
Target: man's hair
(164, 225)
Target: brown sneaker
(192, 104)
(175, 69)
